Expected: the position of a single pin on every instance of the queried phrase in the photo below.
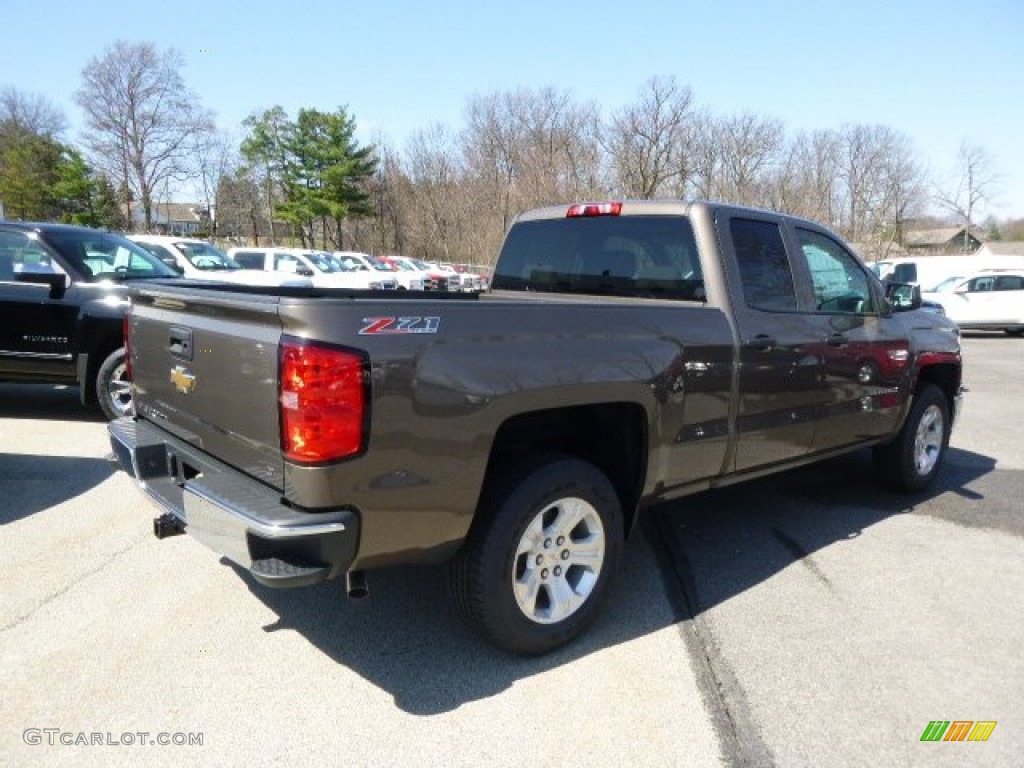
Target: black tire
(113, 388)
(540, 559)
(910, 462)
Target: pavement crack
(109, 560)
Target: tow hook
(167, 525)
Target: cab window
(765, 270)
(840, 283)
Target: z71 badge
(377, 326)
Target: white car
(364, 261)
(319, 266)
(992, 300)
(198, 260)
(433, 279)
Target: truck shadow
(688, 556)
(32, 484)
(55, 402)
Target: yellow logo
(182, 379)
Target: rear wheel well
(611, 436)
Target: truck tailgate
(205, 368)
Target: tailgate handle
(181, 343)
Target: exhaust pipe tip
(355, 585)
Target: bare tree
(215, 156)
(649, 145)
(751, 146)
(434, 166)
(29, 114)
(976, 182)
(140, 119)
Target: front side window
(764, 266)
(840, 283)
(981, 284)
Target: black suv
(62, 303)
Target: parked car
(199, 260)
(365, 262)
(321, 267)
(991, 300)
(629, 352)
(434, 279)
(930, 271)
(63, 295)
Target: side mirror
(58, 283)
(903, 297)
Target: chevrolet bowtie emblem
(182, 380)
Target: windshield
(380, 265)
(324, 262)
(205, 256)
(349, 264)
(106, 256)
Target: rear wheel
(113, 387)
(911, 461)
(538, 563)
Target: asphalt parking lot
(807, 619)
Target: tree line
(449, 194)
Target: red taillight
(323, 401)
(126, 335)
(593, 209)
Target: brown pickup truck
(628, 353)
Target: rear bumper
(233, 514)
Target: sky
(941, 72)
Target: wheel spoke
(571, 512)
(588, 552)
(526, 589)
(564, 599)
(533, 537)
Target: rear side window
(249, 259)
(635, 256)
(1009, 283)
(764, 266)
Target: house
(181, 219)
(933, 242)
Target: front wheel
(540, 559)
(113, 387)
(911, 461)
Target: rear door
(1008, 299)
(781, 369)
